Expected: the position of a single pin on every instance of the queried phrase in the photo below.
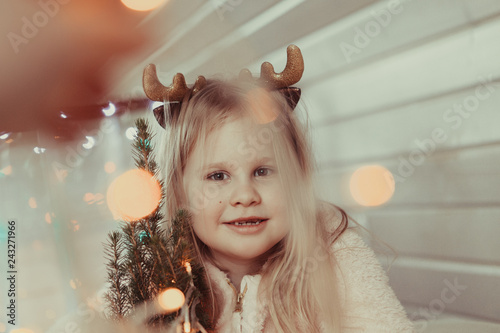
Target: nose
(245, 195)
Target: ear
(172, 107)
(292, 95)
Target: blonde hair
(298, 278)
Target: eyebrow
(227, 164)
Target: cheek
(204, 225)
(203, 207)
(198, 225)
(211, 191)
(202, 197)
(276, 195)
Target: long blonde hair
(298, 278)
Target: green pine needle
(144, 258)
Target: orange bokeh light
(172, 299)
(133, 195)
(372, 185)
(32, 202)
(75, 283)
(263, 107)
(21, 330)
(110, 167)
(7, 170)
(143, 5)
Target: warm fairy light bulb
(4, 136)
(133, 195)
(143, 5)
(372, 185)
(188, 267)
(171, 299)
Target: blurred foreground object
(57, 54)
(143, 5)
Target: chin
(254, 254)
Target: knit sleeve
(370, 304)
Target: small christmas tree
(149, 255)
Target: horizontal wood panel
(437, 287)
(189, 29)
(407, 24)
(458, 177)
(446, 121)
(457, 326)
(469, 235)
(418, 73)
(284, 28)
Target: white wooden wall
(444, 219)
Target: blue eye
(217, 176)
(263, 172)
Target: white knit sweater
(370, 305)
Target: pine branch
(143, 148)
(117, 295)
(135, 264)
(145, 257)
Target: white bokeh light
(131, 133)
(90, 143)
(109, 110)
(39, 150)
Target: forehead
(242, 140)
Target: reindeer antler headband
(174, 94)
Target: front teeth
(248, 223)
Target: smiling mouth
(249, 222)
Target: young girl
(278, 259)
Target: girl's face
(234, 191)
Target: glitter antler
(174, 94)
(290, 75)
(156, 91)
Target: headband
(175, 93)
